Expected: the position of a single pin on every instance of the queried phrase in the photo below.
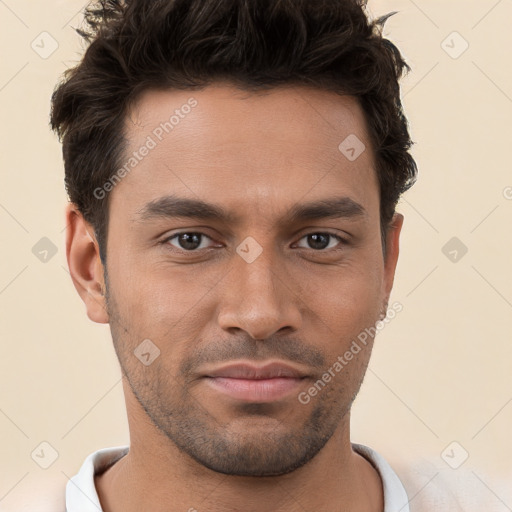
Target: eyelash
(166, 241)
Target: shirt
(81, 495)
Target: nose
(260, 298)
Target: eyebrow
(171, 206)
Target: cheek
(164, 303)
(347, 300)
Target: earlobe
(85, 266)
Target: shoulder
(432, 485)
(426, 484)
(37, 493)
(61, 490)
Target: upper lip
(251, 371)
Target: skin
(256, 155)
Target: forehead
(248, 150)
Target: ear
(85, 267)
(391, 259)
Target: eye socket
(193, 241)
(188, 239)
(320, 238)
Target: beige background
(441, 371)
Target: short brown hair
(135, 45)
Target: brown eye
(187, 241)
(322, 241)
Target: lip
(250, 371)
(250, 383)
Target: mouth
(251, 383)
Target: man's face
(257, 287)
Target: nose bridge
(257, 279)
(256, 299)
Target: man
(233, 169)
